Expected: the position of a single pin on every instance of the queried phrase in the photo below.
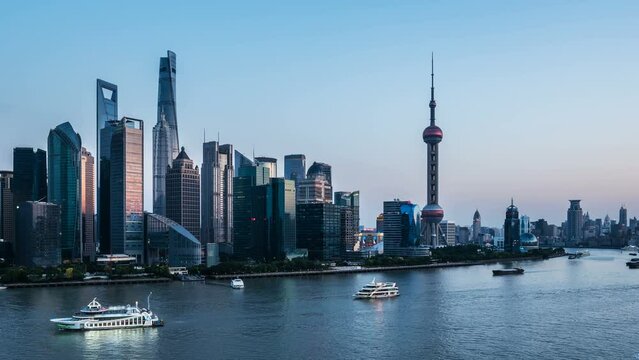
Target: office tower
(252, 200)
(463, 235)
(166, 100)
(432, 214)
(319, 168)
(623, 216)
(106, 122)
(65, 186)
(295, 167)
(7, 211)
(127, 189)
(268, 162)
(168, 242)
(283, 235)
(217, 193)
(524, 225)
(511, 229)
(240, 162)
(448, 230)
(315, 189)
(574, 223)
(38, 234)
(162, 159)
(87, 196)
(348, 202)
(476, 227)
(29, 175)
(401, 229)
(183, 193)
(318, 230)
(379, 223)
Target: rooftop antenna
(204, 134)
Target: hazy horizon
(536, 100)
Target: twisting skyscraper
(432, 214)
(166, 145)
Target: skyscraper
(127, 190)
(252, 198)
(7, 212)
(166, 100)
(348, 202)
(240, 162)
(318, 230)
(38, 232)
(432, 214)
(315, 189)
(106, 122)
(65, 187)
(295, 167)
(511, 229)
(574, 223)
(319, 168)
(87, 196)
(217, 193)
(29, 175)
(162, 158)
(268, 162)
(401, 230)
(283, 236)
(476, 227)
(623, 216)
(183, 193)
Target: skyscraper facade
(314, 189)
(162, 158)
(318, 230)
(127, 190)
(170, 243)
(623, 216)
(183, 193)
(432, 214)
(106, 122)
(252, 206)
(319, 168)
(401, 230)
(295, 167)
(476, 227)
(574, 222)
(241, 161)
(65, 187)
(87, 196)
(38, 230)
(29, 175)
(511, 229)
(284, 228)
(7, 211)
(348, 202)
(449, 230)
(268, 162)
(217, 193)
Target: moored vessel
(377, 290)
(95, 316)
(515, 271)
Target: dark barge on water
(515, 271)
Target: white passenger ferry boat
(237, 283)
(378, 290)
(97, 317)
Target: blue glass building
(167, 242)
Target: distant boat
(633, 264)
(237, 283)
(632, 254)
(3, 288)
(572, 256)
(633, 261)
(632, 248)
(583, 253)
(378, 290)
(515, 271)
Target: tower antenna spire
(432, 103)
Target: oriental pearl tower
(432, 214)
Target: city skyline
(493, 96)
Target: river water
(559, 309)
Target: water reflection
(118, 343)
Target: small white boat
(583, 253)
(237, 283)
(3, 288)
(377, 290)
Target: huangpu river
(559, 309)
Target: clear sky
(537, 99)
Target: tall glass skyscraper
(183, 193)
(29, 175)
(218, 168)
(241, 161)
(318, 169)
(65, 146)
(295, 167)
(127, 189)
(106, 122)
(166, 145)
(87, 196)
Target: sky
(537, 99)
